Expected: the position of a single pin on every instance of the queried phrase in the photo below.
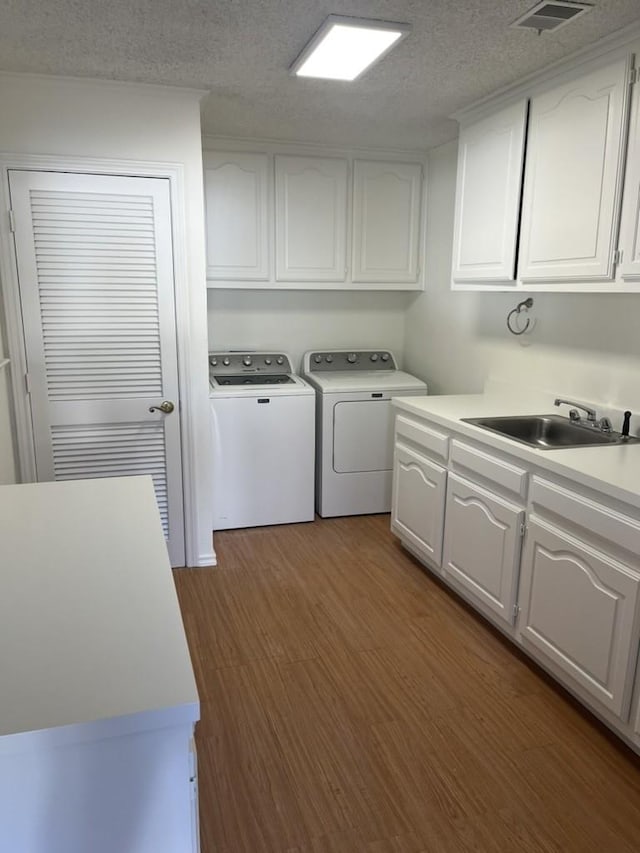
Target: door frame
(10, 296)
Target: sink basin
(548, 432)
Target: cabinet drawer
(469, 459)
(597, 519)
(436, 443)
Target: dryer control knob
(317, 359)
(352, 358)
(226, 361)
(374, 356)
(247, 361)
(267, 361)
(385, 356)
(279, 360)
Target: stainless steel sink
(548, 432)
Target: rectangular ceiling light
(343, 48)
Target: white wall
(84, 118)
(585, 346)
(295, 321)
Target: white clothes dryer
(354, 427)
(263, 420)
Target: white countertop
(91, 638)
(613, 470)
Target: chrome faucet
(603, 424)
(574, 415)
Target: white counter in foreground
(98, 700)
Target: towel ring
(521, 306)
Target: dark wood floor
(351, 704)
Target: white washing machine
(263, 420)
(354, 427)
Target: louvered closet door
(95, 268)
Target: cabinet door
(580, 610)
(386, 221)
(417, 504)
(482, 540)
(572, 178)
(630, 224)
(311, 218)
(236, 188)
(490, 157)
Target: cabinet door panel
(580, 610)
(630, 224)
(482, 544)
(572, 176)
(236, 198)
(417, 506)
(311, 218)
(386, 221)
(490, 157)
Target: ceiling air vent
(551, 15)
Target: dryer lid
(394, 382)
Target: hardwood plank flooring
(352, 704)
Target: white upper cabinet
(572, 178)
(386, 221)
(630, 224)
(236, 189)
(490, 157)
(311, 218)
(287, 219)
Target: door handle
(167, 407)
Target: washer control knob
(226, 361)
(214, 362)
(352, 358)
(317, 359)
(385, 356)
(280, 360)
(328, 359)
(374, 356)
(247, 361)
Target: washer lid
(393, 381)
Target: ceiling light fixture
(343, 48)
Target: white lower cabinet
(580, 611)
(569, 596)
(482, 542)
(417, 505)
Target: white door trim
(174, 172)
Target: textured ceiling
(240, 50)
